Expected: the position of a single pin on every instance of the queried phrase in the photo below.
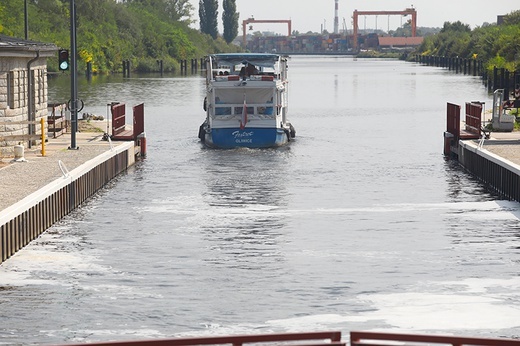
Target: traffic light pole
(26, 16)
(73, 103)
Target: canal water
(359, 224)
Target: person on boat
(248, 70)
(251, 69)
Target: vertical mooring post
(505, 86)
(126, 68)
(88, 72)
(502, 78)
(495, 78)
(485, 77)
(160, 65)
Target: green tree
(179, 10)
(109, 31)
(457, 26)
(404, 31)
(11, 18)
(512, 18)
(208, 14)
(230, 20)
(496, 45)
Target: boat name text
(242, 136)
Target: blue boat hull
(228, 138)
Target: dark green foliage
(142, 31)
(230, 20)
(496, 45)
(512, 18)
(208, 14)
(458, 26)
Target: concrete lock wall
(30, 217)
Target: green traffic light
(63, 59)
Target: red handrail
(373, 338)
(333, 337)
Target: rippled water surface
(359, 224)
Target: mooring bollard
(19, 153)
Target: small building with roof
(23, 88)
(400, 42)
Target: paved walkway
(505, 145)
(20, 179)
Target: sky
(312, 15)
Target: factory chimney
(336, 18)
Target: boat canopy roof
(263, 60)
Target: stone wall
(14, 99)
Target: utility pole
(25, 11)
(73, 103)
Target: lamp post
(26, 20)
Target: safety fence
(498, 78)
(327, 338)
(471, 66)
(391, 339)
(9, 139)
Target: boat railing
(235, 78)
(392, 339)
(261, 77)
(225, 78)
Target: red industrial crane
(252, 20)
(408, 11)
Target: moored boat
(246, 101)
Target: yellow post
(42, 123)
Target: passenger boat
(246, 101)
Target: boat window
(222, 110)
(239, 110)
